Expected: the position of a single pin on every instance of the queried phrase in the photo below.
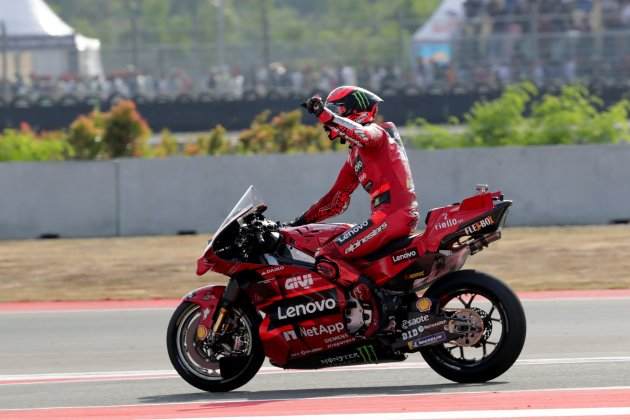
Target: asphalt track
(108, 360)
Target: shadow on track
(292, 394)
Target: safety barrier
(550, 185)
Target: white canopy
(443, 23)
(32, 18)
(42, 43)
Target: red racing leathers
(377, 160)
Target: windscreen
(247, 203)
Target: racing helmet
(353, 102)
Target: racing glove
(332, 132)
(298, 221)
(314, 105)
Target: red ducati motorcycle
(468, 326)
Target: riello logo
(306, 308)
(448, 223)
(304, 282)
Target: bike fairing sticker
(424, 341)
(363, 354)
(481, 224)
(405, 255)
(309, 306)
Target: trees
(338, 31)
(521, 117)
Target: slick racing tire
(497, 347)
(195, 361)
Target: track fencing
(550, 185)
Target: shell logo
(424, 304)
(202, 332)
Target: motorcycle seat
(390, 247)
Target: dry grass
(163, 267)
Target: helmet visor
(337, 108)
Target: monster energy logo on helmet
(361, 99)
(368, 354)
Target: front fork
(230, 296)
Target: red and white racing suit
(377, 160)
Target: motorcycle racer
(376, 160)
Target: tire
(234, 372)
(509, 344)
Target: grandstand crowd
(550, 42)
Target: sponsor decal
(305, 352)
(361, 99)
(447, 223)
(408, 335)
(272, 270)
(289, 335)
(408, 323)
(310, 308)
(341, 338)
(368, 354)
(352, 232)
(407, 254)
(435, 325)
(424, 341)
(366, 238)
(363, 354)
(341, 342)
(368, 186)
(340, 359)
(302, 307)
(202, 332)
(383, 198)
(205, 313)
(415, 275)
(299, 282)
(424, 304)
(358, 165)
(476, 227)
(318, 330)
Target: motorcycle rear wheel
(195, 365)
(448, 359)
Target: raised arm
(361, 135)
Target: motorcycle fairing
(309, 238)
(208, 298)
(306, 339)
(304, 313)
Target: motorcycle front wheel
(216, 363)
(492, 347)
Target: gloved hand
(298, 221)
(332, 132)
(314, 105)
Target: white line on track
(42, 378)
(446, 415)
